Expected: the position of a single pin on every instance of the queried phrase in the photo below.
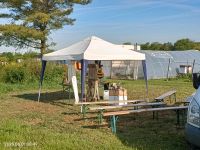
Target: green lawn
(55, 123)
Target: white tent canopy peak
(94, 48)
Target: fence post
(193, 66)
(168, 69)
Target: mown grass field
(55, 123)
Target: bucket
(196, 80)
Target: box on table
(118, 94)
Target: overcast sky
(135, 21)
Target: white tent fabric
(94, 48)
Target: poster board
(75, 88)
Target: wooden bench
(84, 105)
(108, 102)
(165, 95)
(128, 105)
(114, 114)
(101, 109)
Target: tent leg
(83, 71)
(41, 78)
(145, 75)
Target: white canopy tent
(92, 48)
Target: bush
(33, 69)
(29, 71)
(186, 77)
(14, 74)
(53, 72)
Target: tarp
(94, 48)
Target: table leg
(84, 109)
(113, 123)
(178, 117)
(100, 116)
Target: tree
(33, 21)
(183, 44)
(145, 46)
(197, 45)
(127, 43)
(167, 46)
(155, 46)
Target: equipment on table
(116, 92)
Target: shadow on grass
(145, 133)
(70, 113)
(59, 98)
(95, 126)
(137, 131)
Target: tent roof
(94, 48)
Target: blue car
(192, 129)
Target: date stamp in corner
(18, 144)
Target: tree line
(182, 44)
(11, 57)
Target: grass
(9, 87)
(55, 123)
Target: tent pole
(40, 87)
(145, 75)
(41, 78)
(82, 80)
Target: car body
(192, 129)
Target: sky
(135, 21)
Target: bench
(108, 102)
(165, 95)
(84, 105)
(114, 114)
(123, 106)
(101, 109)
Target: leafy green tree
(197, 45)
(155, 46)
(127, 43)
(167, 46)
(33, 20)
(184, 44)
(145, 46)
